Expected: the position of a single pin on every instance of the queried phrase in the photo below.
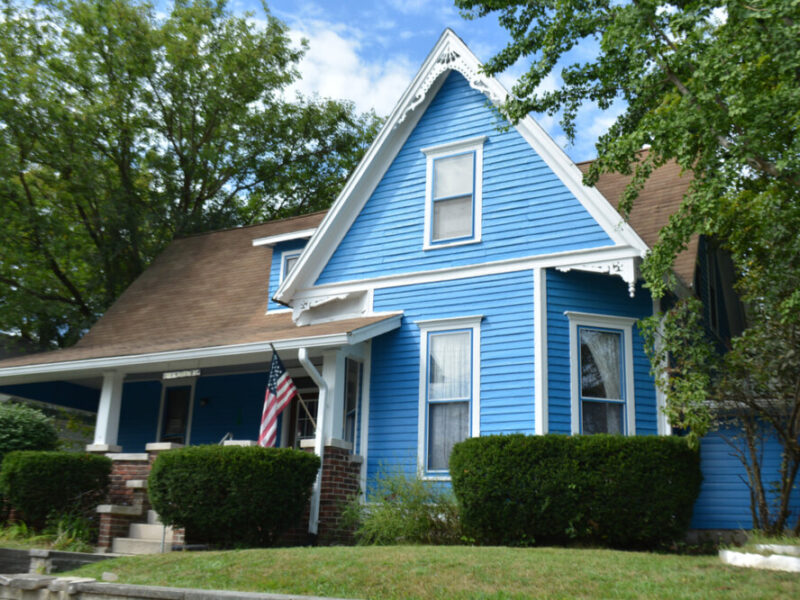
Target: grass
(438, 572)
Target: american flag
(280, 390)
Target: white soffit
(449, 53)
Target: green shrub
(229, 495)
(624, 492)
(25, 428)
(41, 484)
(405, 510)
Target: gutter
(319, 448)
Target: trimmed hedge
(25, 428)
(232, 496)
(623, 492)
(39, 484)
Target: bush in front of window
(617, 491)
(43, 485)
(404, 509)
(230, 495)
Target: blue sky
(368, 52)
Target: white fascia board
(98, 365)
(561, 259)
(362, 182)
(374, 330)
(271, 240)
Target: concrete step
(137, 546)
(153, 518)
(148, 531)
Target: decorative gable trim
(449, 53)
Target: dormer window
(288, 262)
(453, 193)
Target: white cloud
(337, 65)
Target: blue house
(464, 283)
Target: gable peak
(451, 54)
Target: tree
(715, 86)
(121, 130)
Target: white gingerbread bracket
(452, 58)
(626, 268)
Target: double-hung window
(453, 193)
(601, 362)
(449, 390)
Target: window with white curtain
(453, 193)
(601, 357)
(449, 389)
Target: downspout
(319, 447)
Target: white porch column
(107, 425)
(333, 371)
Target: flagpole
(297, 393)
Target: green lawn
(453, 572)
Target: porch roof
(204, 296)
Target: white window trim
(284, 256)
(625, 324)
(441, 151)
(472, 322)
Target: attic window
(453, 193)
(288, 262)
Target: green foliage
(718, 95)
(626, 492)
(71, 533)
(41, 485)
(25, 428)
(405, 510)
(228, 496)
(685, 365)
(122, 128)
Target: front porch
(146, 404)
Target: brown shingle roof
(202, 291)
(662, 196)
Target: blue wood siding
(526, 208)
(603, 295)
(223, 403)
(138, 417)
(232, 403)
(724, 501)
(507, 384)
(275, 268)
(61, 393)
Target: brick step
(149, 531)
(137, 546)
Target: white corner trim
(427, 326)
(541, 425)
(578, 319)
(271, 240)
(454, 147)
